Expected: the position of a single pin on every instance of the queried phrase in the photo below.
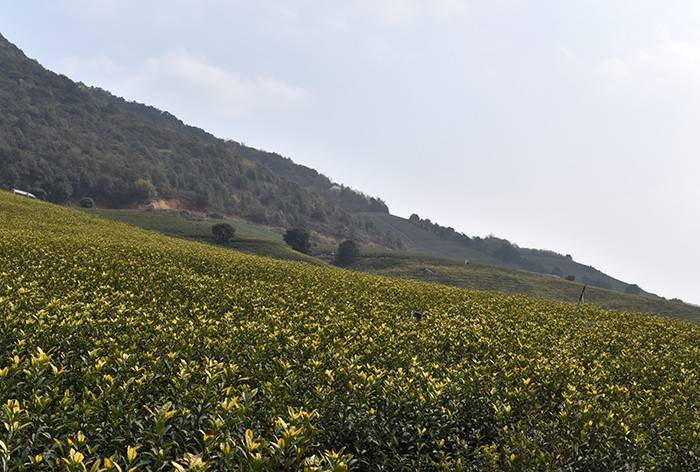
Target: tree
(87, 202)
(223, 232)
(348, 252)
(506, 253)
(634, 289)
(298, 239)
(143, 189)
(60, 191)
(38, 192)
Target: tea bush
(124, 350)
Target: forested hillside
(63, 141)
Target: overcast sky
(568, 125)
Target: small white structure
(23, 193)
(336, 188)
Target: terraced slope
(513, 282)
(249, 237)
(260, 240)
(123, 347)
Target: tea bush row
(124, 350)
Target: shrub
(87, 202)
(143, 189)
(348, 252)
(223, 232)
(298, 239)
(38, 192)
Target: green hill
(64, 141)
(425, 237)
(249, 237)
(483, 277)
(421, 241)
(122, 347)
(264, 241)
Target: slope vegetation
(249, 238)
(63, 141)
(260, 240)
(121, 346)
(425, 237)
(503, 280)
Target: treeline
(445, 232)
(347, 198)
(500, 249)
(64, 141)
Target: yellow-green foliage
(123, 349)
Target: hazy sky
(568, 125)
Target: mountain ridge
(66, 140)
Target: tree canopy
(223, 232)
(66, 141)
(298, 239)
(348, 252)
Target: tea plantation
(121, 349)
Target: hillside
(425, 237)
(265, 241)
(249, 238)
(503, 280)
(121, 346)
(417, 239)
(63, 141)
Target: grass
(186, 224)
(249, 238)
(422, 242)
